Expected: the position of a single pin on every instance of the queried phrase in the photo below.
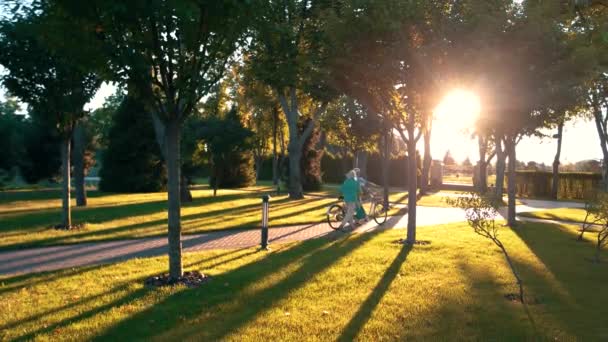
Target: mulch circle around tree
(416, 243)
(77, 226)
(190, 279)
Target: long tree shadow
(490, 312)
(367, 307)
(572, 289)
(243, 304)
(38, 195)
(103, 213)
(131, 297)
(111, 233)
(21, 281)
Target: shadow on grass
(367, 307)
(15, 282)
(572, 290)
(46, 217)
(554, 217)
(100, 215)
(39, 195)
(493, 314)
(73, 319)
(228, 297)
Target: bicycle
(377, 211)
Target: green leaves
(49, 79)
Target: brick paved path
(59, 257)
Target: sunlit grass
(27, 215)
(356, 287)
(560, 214)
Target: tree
(175, 52)
(48, 78)
(517, 51)
(289, 54)
(448, 159)
(83, 158)
(42, 149)
(384, 63)
(226, 144)
(11, 135)
(352, 128)
(132, 165)
(101, 119)
(587, 24)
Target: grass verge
(559, 214)
(361, 286)
(26, 215)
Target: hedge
(572, 185)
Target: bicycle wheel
(335, 215)
(380, 213)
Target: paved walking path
(68, 256)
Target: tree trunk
(412, 188)
(295, 174)
(184, 189)
(426, 163)
(78, 157)
(412, 184)
(275, 155)
(555, 180)
(66, 217)
(603, 135)
(482, 177)
(173, 186)
(511, 212)
(296, 138)
(161, 138)
(258, 166)
(500, 167)
(386, 153)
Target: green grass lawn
(360, 286)
(563, 214)
(26, 215)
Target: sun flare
(459, 109)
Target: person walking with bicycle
(350, 191)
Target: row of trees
(369, 69)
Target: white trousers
(350, 214)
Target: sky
(580, 142)
(458, 111)
(580, 138)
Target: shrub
(481, 212)
(132, 162)
(228, 145)
(596, 207)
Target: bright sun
(459, 109)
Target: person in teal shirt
(350, 190)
